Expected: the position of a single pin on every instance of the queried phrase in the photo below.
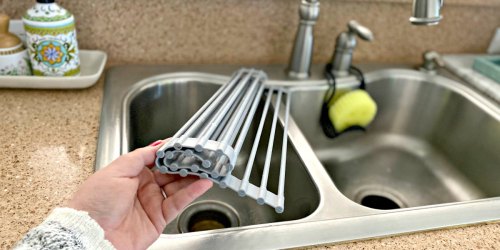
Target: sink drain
(207, 215)
(379, 198)
(379, 202)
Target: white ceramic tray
(91, 66)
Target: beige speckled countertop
(47, 148)
(262, 31)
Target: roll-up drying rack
(209, 143)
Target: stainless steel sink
(428, 161)
(158, 110)
(432, 142)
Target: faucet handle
(433, 56)
(432, 61)
(360, 30)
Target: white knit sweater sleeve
(66, 228)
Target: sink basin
(427, 161)
(430, 143)
(159, 108)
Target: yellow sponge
(355, 108)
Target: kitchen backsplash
(262, 31)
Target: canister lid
(7, 39)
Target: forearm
(66, 228)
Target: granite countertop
(47, 148)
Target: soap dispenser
(51, 40)
(13, 56)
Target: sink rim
(322, 226)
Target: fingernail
(156, 143)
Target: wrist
(86, 229)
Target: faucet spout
(301, 59)
(426, 12)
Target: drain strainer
(379, 198)
(207, 215)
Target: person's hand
(126, 199)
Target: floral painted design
(53, 53)
(53, 50)
(22, 68)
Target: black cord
(326, 123)
(330, 78)
(360, 76)
(324, 120)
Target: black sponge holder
(324, 120)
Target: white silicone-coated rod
(257, 96)
(222, 128)
(219, 115)
(244, 183)
(201, 120)
(196, 116)
(267, 162)
(235, 124)
(248, 121)
(281, 184)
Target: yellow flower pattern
(51, 54)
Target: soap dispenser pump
(51, 40)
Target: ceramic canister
(13, 56)
(14, 61)
(51, 40)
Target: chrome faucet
(426, 12)
(300, 62)
(345, 45)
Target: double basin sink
(430, 159)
